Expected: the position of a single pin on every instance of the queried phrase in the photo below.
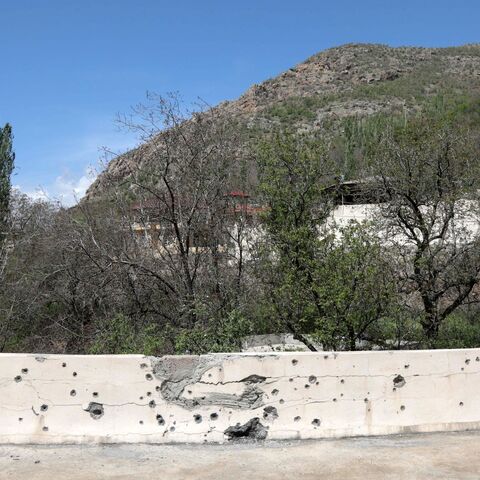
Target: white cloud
(66, 189)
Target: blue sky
(68, 66)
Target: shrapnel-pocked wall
(228, 397)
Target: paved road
(433, 456)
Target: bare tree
(429, 178)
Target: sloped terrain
(356, 80)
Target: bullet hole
(270, 413)
(365, 400)
(25, 370)
(64, 364)
(312, 379)
(253, 429)
(149, 394)
(214, 416)
(189, 392)
(477, 359)
(402, 408)
(20, 419)
(44, 408)
(40, 359)
(95, 409)
(172, 429)
(342, 381)
(253, 379)
(398, 381)
(462, 369)
(282, 401)
(198, 418)
(317, 383)
(334, 399)
(152, 404)
(157, 388)
(45, 429)
(394, 389)
(148, 376)
(307, 385)
(141, 422)
(18, 378)
(407, 366)
(316, 422)
(143, 365)
(140, 398)
(275, 391)
(74, 374)
(461, 404)
(341, 394)
(294, 362)
(73, 393)
(297, 419)
(160, 420)
(290, 379)
(467, 361)
(209, 375)
(95, 394)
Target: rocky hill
(351, 80)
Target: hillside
(352, 80)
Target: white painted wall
(43, 399)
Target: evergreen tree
(7, 158)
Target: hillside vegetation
(217, 225)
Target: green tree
(294, 171)
(357, 288)
(7, 158)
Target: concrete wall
(224, 397)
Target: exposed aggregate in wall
(233, 397)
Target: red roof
(237, 194)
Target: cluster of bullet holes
(160, 420)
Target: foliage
(7, 158)
(356, 288)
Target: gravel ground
(420, 456)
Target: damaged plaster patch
(176, 373)
(253, 430)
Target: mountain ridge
(350, 80)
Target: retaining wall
(227, 397)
